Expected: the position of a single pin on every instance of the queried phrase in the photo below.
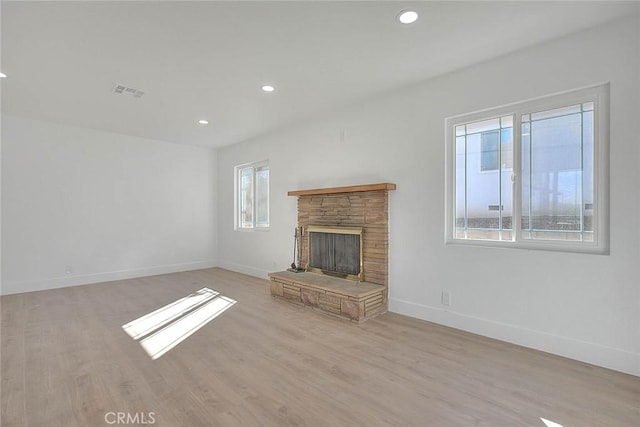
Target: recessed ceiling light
(2, 75)
(203, 122)
(407, 16)
(268, 88)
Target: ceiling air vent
(120, 89)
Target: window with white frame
(252, 196)
(532, 174)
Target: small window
(532, 174)
(252, 196)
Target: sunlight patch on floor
(163, 329)
(152, 321)
(550, 423)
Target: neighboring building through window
(544, 186)
(490, 150)
(252, 196)
(497, 146)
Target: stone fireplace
(344, 251)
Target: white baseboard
(606, 357)
(244, 269)
(9, 288)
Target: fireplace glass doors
(336, 251)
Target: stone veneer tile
(352, 309)
(310, 297)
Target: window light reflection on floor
(163, 329)
(550, 423)
(152, 321)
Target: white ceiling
(208, 60)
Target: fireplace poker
(295, 241)
(299, 267)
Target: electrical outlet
(68, 269)
(445, 298)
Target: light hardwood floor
(67, 362)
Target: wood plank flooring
(67, 362)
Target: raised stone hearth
(361, 207)
(346, 298)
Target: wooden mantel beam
(351, 189)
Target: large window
(252, 196)
(532, 174)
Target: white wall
(582, 306)
(109, 206)
(0, 151)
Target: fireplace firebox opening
(336, 251)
